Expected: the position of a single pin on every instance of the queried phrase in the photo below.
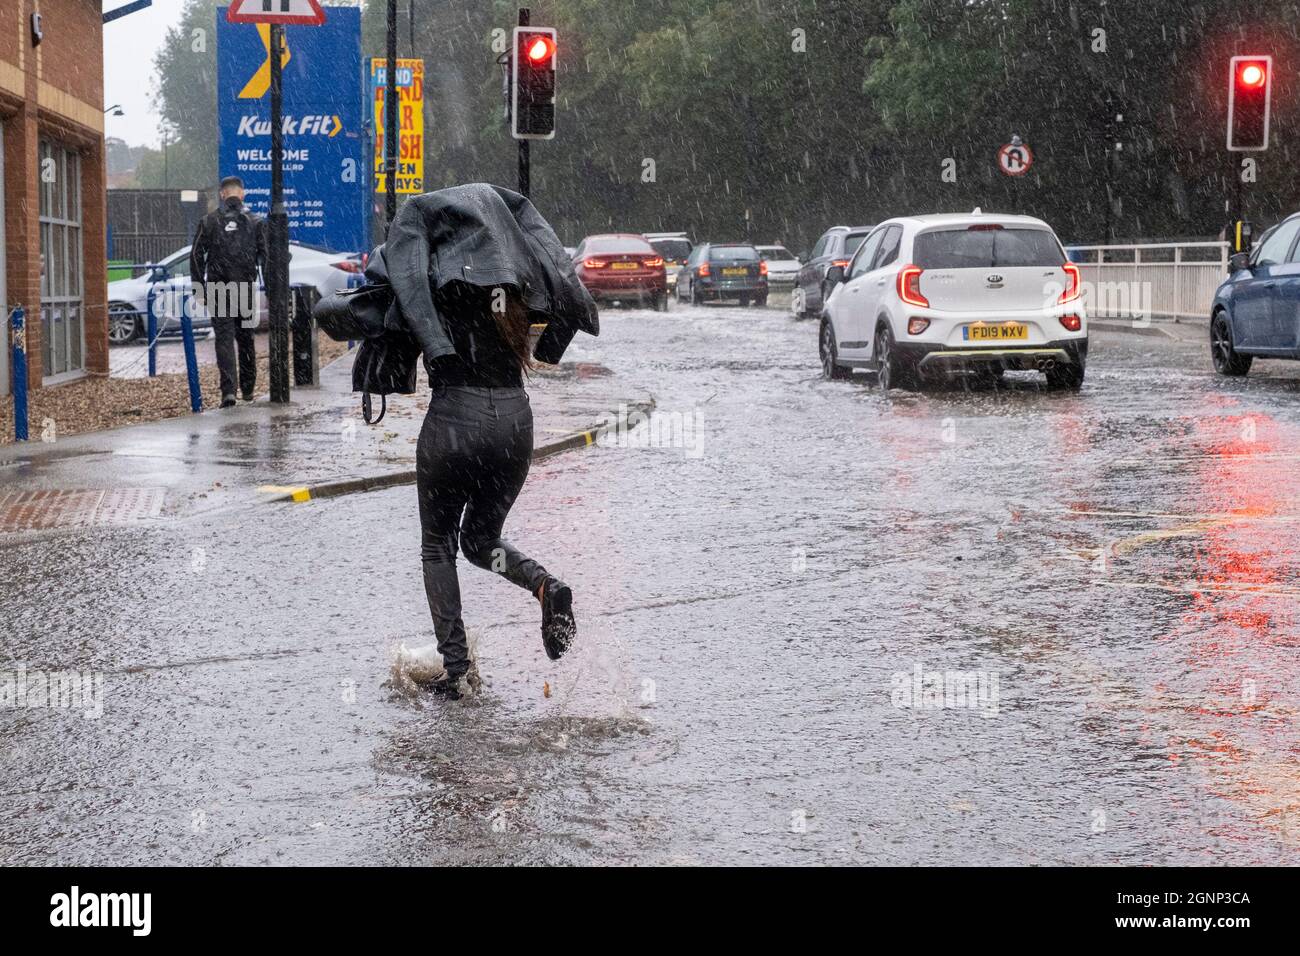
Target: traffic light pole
(392, 122)
(525, 160)
(277, 253)
(1250, 91)
(1241, 211)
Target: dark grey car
(834, 248)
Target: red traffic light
(1250, 88)
(540, 48)
(1252, 75)
(532, 83)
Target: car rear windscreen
(745, 253)
(852, 241)
(775, 253)
(677, 249)
(616, 245)
(986, 248)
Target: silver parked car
(782, 266)
(128, 299)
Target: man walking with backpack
(229, 247)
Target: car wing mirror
(835, 274)
(1239, 261)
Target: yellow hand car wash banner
(410, 108)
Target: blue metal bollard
(191, 359)
(18, 325)
(151, 331)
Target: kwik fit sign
(326, 175)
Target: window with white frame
(62, 306)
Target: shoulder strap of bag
(367, 409)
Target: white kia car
(956, 294)
(326, 272)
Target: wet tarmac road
(1103, 587)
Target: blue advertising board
(326, 169)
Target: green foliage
(185, 88)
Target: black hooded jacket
(485, 236)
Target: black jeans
(471, 462)
(229, 332)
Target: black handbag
(385, 365)
(354, 314)
(389, 357)
(361, 313)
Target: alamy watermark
(945, 690)
(54, 690)
(216, 300)
(636, 428)
(1117, 300)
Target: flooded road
(961, 627)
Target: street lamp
(116, 109)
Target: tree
(185, 90)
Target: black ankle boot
(558, 626)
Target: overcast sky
(129, 47)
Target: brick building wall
(53, 91)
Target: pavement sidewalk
(1183, 330)
(223, 458)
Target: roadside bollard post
(18, 340)
(306, 352)
(151, 329)
(191, 359)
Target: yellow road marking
(296, 492)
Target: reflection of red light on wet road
(1242, 645)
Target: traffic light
(532, 84)
(1250, 87)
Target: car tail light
(762, 268)
(594, 263)
(652, 263)
(909, 286)
(842, 263)
(704, 268)
(347, 265)
(984, 227)
(917, 326)
(1072, 286)
(1072, 323)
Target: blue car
(1256, 310)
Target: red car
(622, 267)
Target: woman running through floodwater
(473, 268)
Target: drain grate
(39, 510)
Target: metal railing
(1165, 280)
(150, 247)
